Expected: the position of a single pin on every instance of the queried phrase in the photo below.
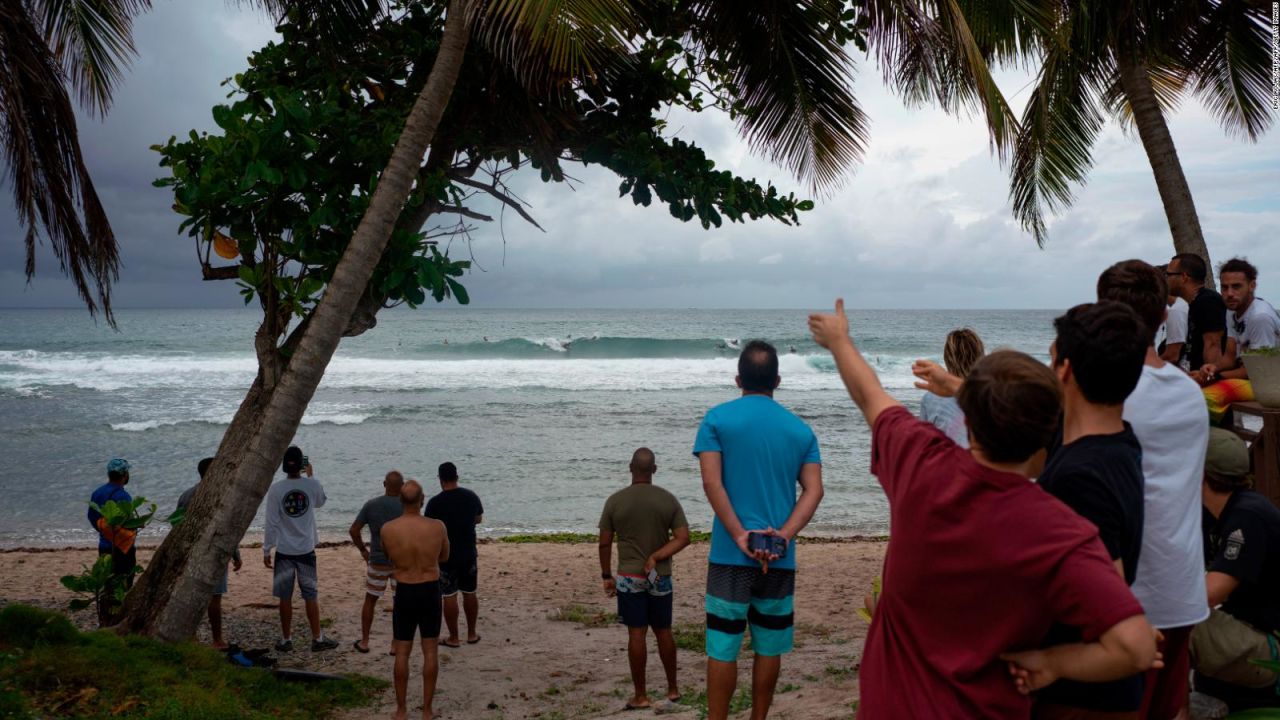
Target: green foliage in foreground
(50, 669)
(1263, 352)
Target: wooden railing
(1264, 446)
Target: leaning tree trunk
(169, 599)
(1179, 206)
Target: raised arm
(810, 495)
(934, 378)
(831, 331)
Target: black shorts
(462, 577)
(416, 607)
(644, 604)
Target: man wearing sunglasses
(1206, 316)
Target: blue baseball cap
(118, 465)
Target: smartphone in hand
(772, 544)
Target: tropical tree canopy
(1215, 50)
(304, 140)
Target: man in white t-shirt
(1167, 413)
(1251, 321)
(1251, 324)
(290, 530)
(1175, 330)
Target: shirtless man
(416, 545)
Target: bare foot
(427, 714)
(637, 703)
(402, 713)
(452, 642)
(219, 645)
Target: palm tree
(790, 76)
(1135, 60)
(48, 45)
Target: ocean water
(540, 409)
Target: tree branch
(498, 194)
(464, 212)
(226, 272)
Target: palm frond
(93, 40)
(794, 82)
(1169, 80)
(1008, 32)
(929, 52)
(545, 40)
(52, 189)
(1229, 54)
(1054, 147)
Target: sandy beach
(548, 649)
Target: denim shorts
(289, 568)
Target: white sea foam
(111, 373)
(311, 418)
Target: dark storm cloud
(924, 222)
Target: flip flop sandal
(473, 642)
(356, 645)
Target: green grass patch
(583, 615)
(840, 672)
(698, 701)
(49, 669)
(563, 538)
(690, 636)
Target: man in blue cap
(124, 556)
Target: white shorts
(376, 579)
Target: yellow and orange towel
(1221, 394)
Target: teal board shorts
(738, 596)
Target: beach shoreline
(548, 644)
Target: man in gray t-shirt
(215, 602)
(375, 514)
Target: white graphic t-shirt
(1259, 327)
(291, 516)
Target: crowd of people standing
(1137, 560)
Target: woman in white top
(963, 350)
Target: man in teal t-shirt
(752, 453)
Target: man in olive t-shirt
(650, 527)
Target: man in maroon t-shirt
(981, 561)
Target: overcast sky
(923, 223)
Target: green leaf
(176, 517)
(297, 177)
(223, 117)
(459, 292)
(79, 603)
(294, 107)
(804, 205)
(248, 276)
